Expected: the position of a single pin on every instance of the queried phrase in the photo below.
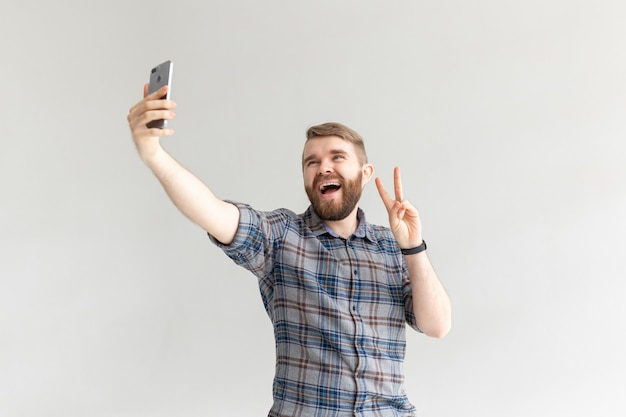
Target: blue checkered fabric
(339, 309)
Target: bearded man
(339, 291)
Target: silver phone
(159, 76)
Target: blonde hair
(342, 131)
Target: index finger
(397, 183)
(384, 195)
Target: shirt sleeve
(257, 239)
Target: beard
(332, 210)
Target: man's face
(333, 177)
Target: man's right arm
(190, 195)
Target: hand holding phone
(160, 76)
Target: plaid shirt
(339, 308)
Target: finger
(397, 184)
(157, 104)
(401, 211)
(158, 94)
(384, 195)
(149, 116)
(145, 90)
(142, 130)
(148, 105)
(141, 120)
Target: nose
(325, 168)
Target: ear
(367, 171)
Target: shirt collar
(319, 227)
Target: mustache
(335, 177)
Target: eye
(311, 163)
(338, 157)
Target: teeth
(329, 184)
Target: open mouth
(329, 187)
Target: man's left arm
(431, 304)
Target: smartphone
(159, 76)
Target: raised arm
(431, 303)
(190, 195)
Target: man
(339, 290)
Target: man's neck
(345, 227)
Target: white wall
(507, 118)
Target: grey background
(507, 118)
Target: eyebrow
(332, 152)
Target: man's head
(335, 170)
(342, 131)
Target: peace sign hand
(404, 219)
